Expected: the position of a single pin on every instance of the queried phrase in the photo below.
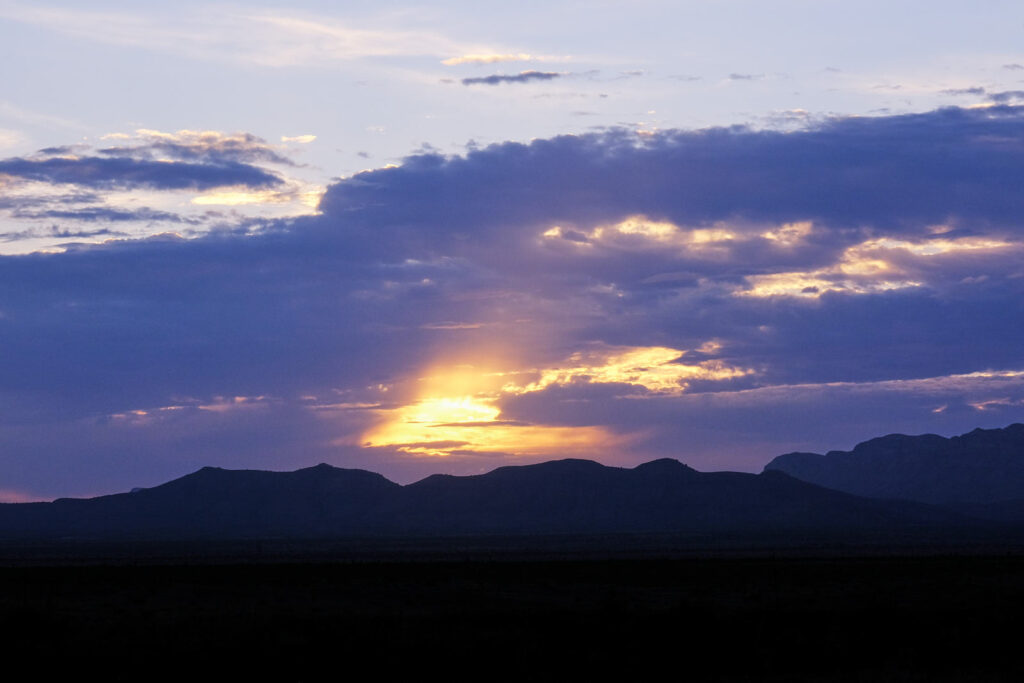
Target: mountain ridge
(978, 468)
(570, 496)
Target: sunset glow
(457, 410)
(458, 414)
(655, 369)
(444, 237)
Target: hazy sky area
(452, 236)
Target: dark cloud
(1014, 67)
(745, 77)
(521, 77)
(1006, 96)
(208, 147)
(133, 352)
(62, 233)
(105, 214)
(897, 173)
(60, 150)
(976, 90)
(25, 202)
(129, 173)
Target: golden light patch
(937, 246)
(224, 404)
(654, 368)
(859, 265)
(554, 231)
(457, 412)
(710, 347)
(995, 403)
(238, 197)
(709, 236)
(640, 232)
(788, 284)
(641, 225)
(441, 426)
(242, 196)
(871, 266)
(789, 234)
(813, 285)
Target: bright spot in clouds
(241, 196)
(457, 409)
(654, 368)
(875, 265)
(457, 412)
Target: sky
(447, 237)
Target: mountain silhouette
(558, 497)
(981, 472)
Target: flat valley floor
(873, 618)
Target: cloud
(489, 59)
(101, 214)
(899, 173)
(720, 295)
(147, 179)
(127, 173)
(251, 37)
(976, 90)
(206, 146)
(60, 233)
(10, 138)
(745, 77)
(521, 77)
(1006, 97)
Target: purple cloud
(521, 77)
(128, 173)
(897, 237)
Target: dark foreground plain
(507, 616)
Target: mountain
(981, 472)
(559, 497)
(213, 503)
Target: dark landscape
(559, 570)
(840, 619)
(895, 490)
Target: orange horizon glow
(455, 411)
(456, 408)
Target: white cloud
(494, 58)
(10, 138)
(262, 38)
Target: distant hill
(973, 471)
(559, 497)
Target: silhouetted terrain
(559, 497)
(981, 472)
(565, 570)
(903, 487)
